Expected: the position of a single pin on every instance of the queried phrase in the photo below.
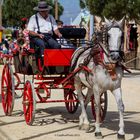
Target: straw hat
(42, 6)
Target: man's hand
(60, 35)
(36, 34)
(41, 36)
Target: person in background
(22, 41)
(41, 27)
(7, 43)
(25, 33)
(59, 23)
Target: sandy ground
(52, 121)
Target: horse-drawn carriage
(98, 67)
(53, 74)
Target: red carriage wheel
(7, 89)
(103, 100)
(29, 103)
(17, 80)
(71, 106)
(17, 83)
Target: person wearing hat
(41, 27)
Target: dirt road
(53, 122)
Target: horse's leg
(83, 119)
(96, 92)
(118, 96)
(88, 96)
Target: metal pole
(56, 9)
(91, 26)
(0, 15)
(125, 36)
(1, 3)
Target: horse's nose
(114, 56)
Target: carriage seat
(73, 33)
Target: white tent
(82, 20)
(83, 15)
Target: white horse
(99, 80)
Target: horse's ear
(98, 19)
(106, 20)
(108, 23)
(121, 22)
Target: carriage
(53, 74)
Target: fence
(132, 60)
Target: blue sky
(71, 10)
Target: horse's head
(114, 31)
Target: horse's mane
(76, 55)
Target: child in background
(22, 40)
(25, 33)
(63, 41)
(6, 44)
(59, 23)
(4, 49)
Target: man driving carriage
(41, 27)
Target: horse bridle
(114, 25)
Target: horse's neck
(78, 52)
(79, 57)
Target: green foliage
(82, 4)
(115, 8)
(60, 8)
(7, 31)
(96, 6)
(14, 10)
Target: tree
(115, 8)
(14, 10)
(82, 4)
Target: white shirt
(44, 24)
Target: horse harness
(96, 54)
(97, 51)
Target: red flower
(24, 19)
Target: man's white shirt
(45, 25)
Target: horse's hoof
(87, 128)
(84, 127)
(98, 135)
(121, 137)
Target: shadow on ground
(60, 115)
(112, 123)
(133, 74)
